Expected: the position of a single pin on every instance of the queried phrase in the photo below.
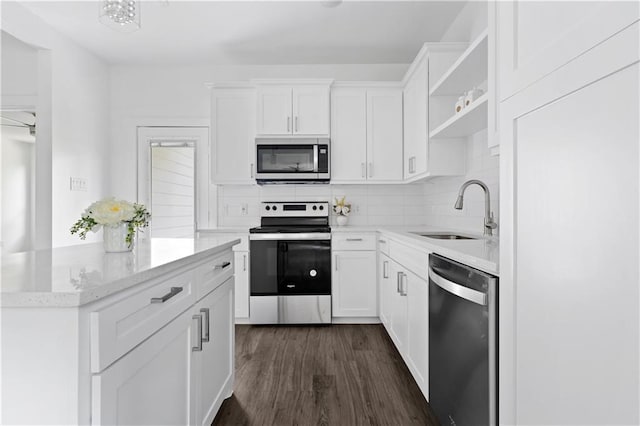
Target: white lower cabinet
(398, 311)
(354, 276)
(180, 375)
(354, 290)
(151, 384)
(417, 357)
(213, 365)
(404, 307)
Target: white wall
(470, 22)
(77, 117)
(19, 68)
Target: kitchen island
(122, 338)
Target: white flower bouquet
(112, 212)
(341, 207)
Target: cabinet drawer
(351, 241)
(118, 328)
(213, 273)
(415, 260)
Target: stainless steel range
(290, 279)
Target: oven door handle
(292, 236)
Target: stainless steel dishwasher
(462, 343)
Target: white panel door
(311, 111)
(384, 134)
(416, 115)
(348, 134)
(354, 292)
(398, 310)
(385, 289)
(570, 208)
(152, 383)
(233, 130)
(418, 329)
(274, 111)
(528, 50)
(214, 377)
(241, 263)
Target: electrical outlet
(77, 184)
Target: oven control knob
(313, 272)
(321, 207)
(275, 208)
(315, 208)
(268, 208)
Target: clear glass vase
(341, 220)
(115, 238)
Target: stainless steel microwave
(292, 160)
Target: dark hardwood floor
(334, 375)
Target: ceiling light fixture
(121, 15)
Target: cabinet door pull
(296, 124)
(252, 176)
(244, 262)
(172, 292)
(370, 169)
(288, 124)
(403, 284)
(363, 172)
(385, 269)
(382, 241)
(198, 346)
(221, 266)
(354, 239)
(205, 324)
(398, 279)
(336, 261)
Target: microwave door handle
(315, 158)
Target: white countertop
(81, 274)
(482, 253)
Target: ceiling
(257, 32)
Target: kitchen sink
(444, 236)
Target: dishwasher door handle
(466, 293)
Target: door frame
(199, 136)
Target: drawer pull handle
(205, 325)
(173, 292)
(385, 269)
(198, 346)
(221, 266)
(354, 239)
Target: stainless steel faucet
(489, 224)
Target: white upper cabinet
(384, 134)
(286, 109)
(348, 134)
(427, 155)
(415, 121)
(274, 110)
(310, 110)
(366, 134)
(233, 135)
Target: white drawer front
(415, 260)
(213, 273)
(120, 327)
(352, 241)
